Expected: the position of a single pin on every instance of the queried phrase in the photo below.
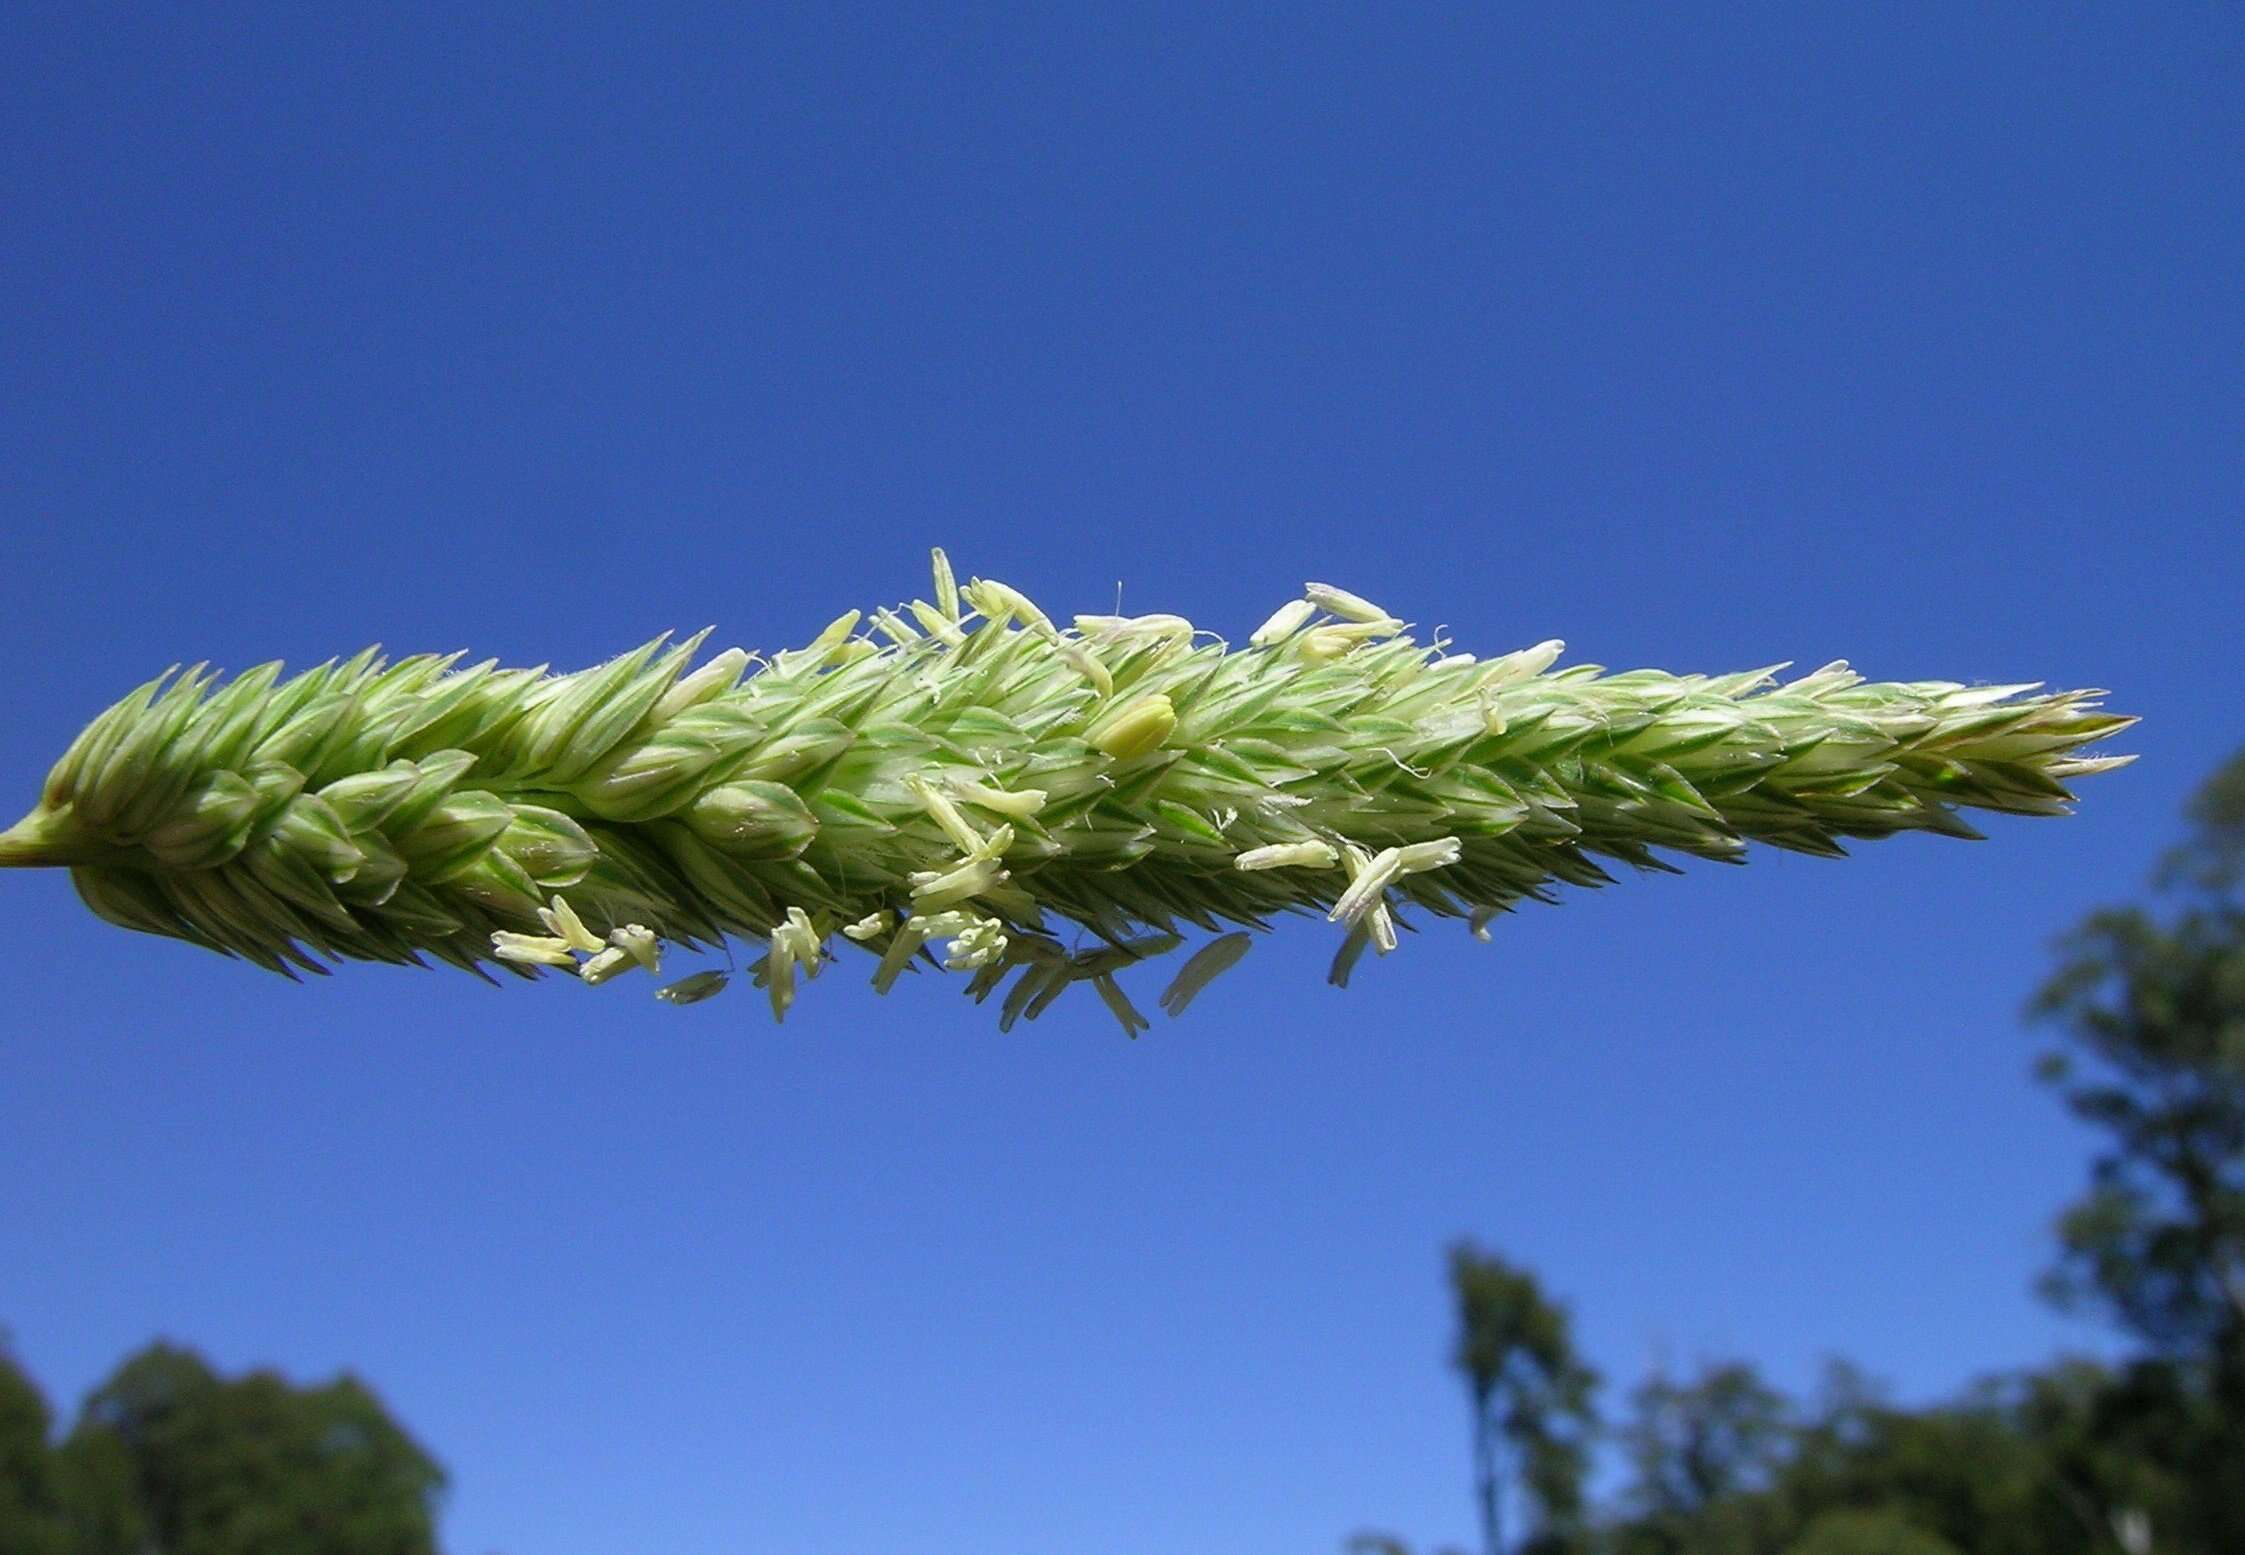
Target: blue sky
(1909, 337)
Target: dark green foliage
(167, 1458)
(101, 1481)
(1531, 1398)
(30, 1499)
(2159, 1240)
(1867, 1533)
(2061, 1462)
(2152, 1007)
(1698, 1449)
(1696, 1442)
(2158, 1011)
(1974, 1473)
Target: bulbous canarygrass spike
(991, 784)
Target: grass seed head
(998, 785)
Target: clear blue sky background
(1911, 337)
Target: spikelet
(984, 779)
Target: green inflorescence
(1046, 804)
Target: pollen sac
(1138, 729)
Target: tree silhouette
(1696, 1447)
(167, 1458)
(2152, 1008)
(31, 1521)
(1530, 1394)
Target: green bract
(1053, 804)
